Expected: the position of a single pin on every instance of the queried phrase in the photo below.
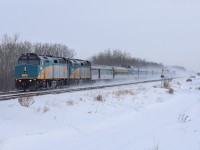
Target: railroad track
(14, 95)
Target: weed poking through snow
(45, 109)
(171, 91)
(183, 118)
(26, 101)
(189, 80)
(70, 102)
(123, 92)
(166, 84)
(99, 98)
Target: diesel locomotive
(44, 71)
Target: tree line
(117, 57)
(11, 48)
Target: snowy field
(136, 117)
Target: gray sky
(166, 31)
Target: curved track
(13, 95)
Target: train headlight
(20, 80)
(30, 80)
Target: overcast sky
(166, 31)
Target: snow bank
(139, 117)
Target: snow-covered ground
(136, 117)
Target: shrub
(123, 92)
(26, 101)
(189, 80)
(70, 102)
(166, 85)
(99, 98)
(171, 91)
(45, 109)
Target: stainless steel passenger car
(121, 72)
(101, 72)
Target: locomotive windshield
(29, 60)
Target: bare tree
(117, 57)
(58, 50)
(10, 50)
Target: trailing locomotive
(36, 71)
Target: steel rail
(58, 91)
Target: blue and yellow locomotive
(36, 71)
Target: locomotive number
(24, 75)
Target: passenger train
(37, 71)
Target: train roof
(94, 66)
(79, 61)
(52, 58)
(33, 55)
(120, 68)
(101, 67)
